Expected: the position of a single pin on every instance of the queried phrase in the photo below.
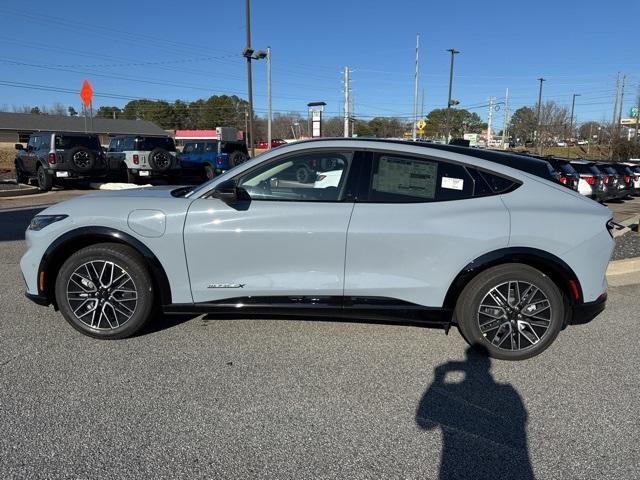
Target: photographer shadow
(483, 423)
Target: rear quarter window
(399, 179)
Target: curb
(19, 192)
(624, 272)
(625, 266)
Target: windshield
(69, 141)
(567, 168)
(149, 143)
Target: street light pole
(538, 136)
(248, 53)
(453, 52)
(573, 104)
(269, 97)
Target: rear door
(285, 244)
(416, 224)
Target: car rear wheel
(45, 180)
(105, 291)
(514, 311)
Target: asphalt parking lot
(231, 398)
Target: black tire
(45, 180)
(498, 321)
(21, 177)
(137, 278)
(209, 172)
(236, 158)
(303, 175)
(160, 159)
(126, 175)
(82, 159)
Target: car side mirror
(19, 146)
(229, 192)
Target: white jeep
(136, 157)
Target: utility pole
(415, 89)
(269, 115)
(539, 126)
(638, 115)
(453, 52)
(505, 122)
(248, 54)
(624, 77)
(346, 101)
(573, 104)
(615, 102)
(489, 120)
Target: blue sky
(187, 50)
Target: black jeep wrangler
(55, 158)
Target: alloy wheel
(514, 315)
(102, 295)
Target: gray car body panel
(410, 252)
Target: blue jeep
(208, 158)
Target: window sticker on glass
(452, 183)
(406, 177)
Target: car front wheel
(105, 291)
(514, 311)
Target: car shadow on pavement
(13, 223)
(483, 423)
(161, 321)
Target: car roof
(523, 162)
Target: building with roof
(16, 127)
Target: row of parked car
(601, 181)
(55, 158)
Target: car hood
(146, 192)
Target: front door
(287, 242)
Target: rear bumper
(585, 312)
(172, 172)
(74, 175)
(39, 299)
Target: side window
(45, 142)
(305, 177)
(488, 183)
(34, 141)
(113, 145)
(399, 179)
(193, 147)
(211, 147)
(128, 143)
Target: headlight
(40, 221)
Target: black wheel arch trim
(64, 245)
(551, 265)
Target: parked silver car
(407, 232)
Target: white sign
(452, 183)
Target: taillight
(605, 179)
(636, 178)
(627, 178)
(52, 158)
(220, 159)
(136, 159)
(563, 179)
(590, 179)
